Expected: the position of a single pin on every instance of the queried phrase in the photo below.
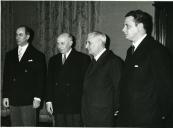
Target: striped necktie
(19, 53)
(63, 58)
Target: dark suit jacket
(24, 80)
(65, 82)
(145, 85)
(100, 95)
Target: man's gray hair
(68, 35)
(99, 35)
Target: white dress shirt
(136, 44)
(66, 54)
(100, 53)
(21, 51)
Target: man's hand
(49, 107)
(5, 102)
(36, 103)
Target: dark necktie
(133, 49)
(93, 62)
(130, 53)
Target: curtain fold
(163, 23)
(160, 24)
(7, 35)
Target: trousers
(68, 120)
(23, 115)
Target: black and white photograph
(86, 64)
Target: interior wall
(112, 19)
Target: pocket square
(30, 60)
(136, 66)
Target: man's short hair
(101, 36)
(70, 36)
(142, 17)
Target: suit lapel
(91, 67)
(15, 56)
(141, 49)
(142, 46)
(129, 54)
(69, 58)
(94, 67)
(27, 53)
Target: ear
(100, 42)
(140, 26)
(71, 42)
(28, 36)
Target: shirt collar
(100, 53)
(136, 44)
(23, 47)
(67, 54)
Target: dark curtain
(48, 19)
(164, 23)
(164, 34)
(7, 24)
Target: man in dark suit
(100, 93)
(146, 80)
(65, 82)
(23, 79)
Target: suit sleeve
(161, 68)
(6, 79)
(49, 86)
(41, 77)
(86, 63)
(116, 71)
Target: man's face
(93, 45)
(21, 37)
(130, 28)
(64, 44)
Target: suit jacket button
(56, 83)
(163, 117)
(14, 79)
(26, 70)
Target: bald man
(65, 78)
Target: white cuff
(49, 102)
(36, 98)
